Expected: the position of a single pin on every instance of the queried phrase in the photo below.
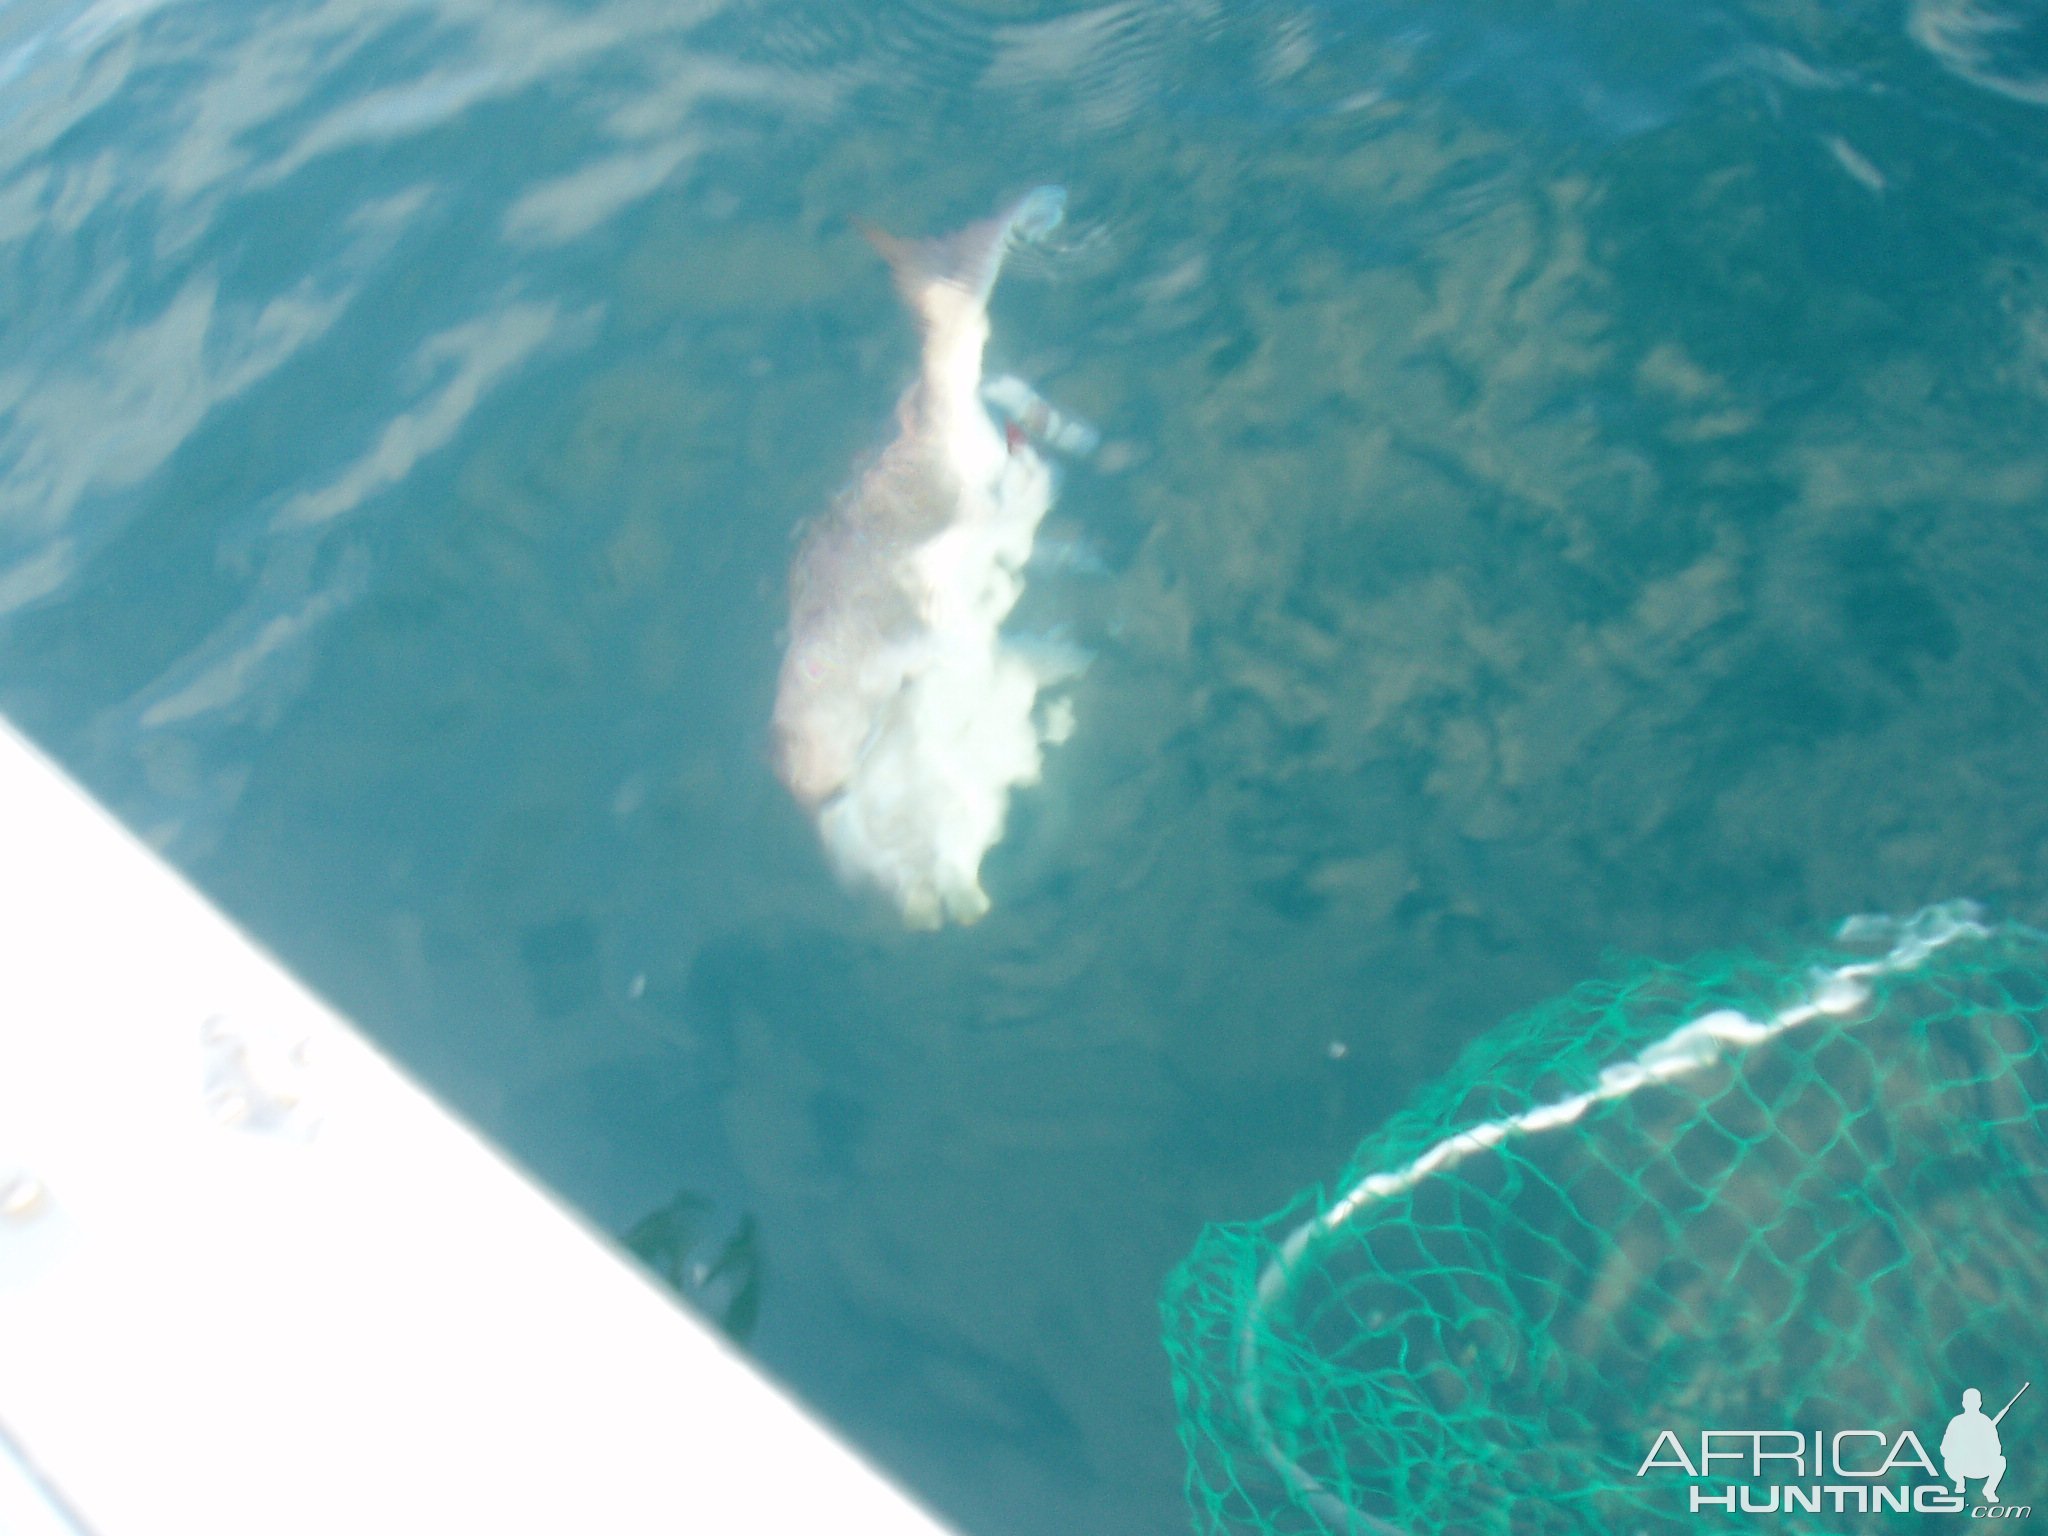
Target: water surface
(1573, 481)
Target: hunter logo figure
(1970, 1447)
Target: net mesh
(1806, 1194)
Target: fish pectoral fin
(1015, 401)
(1053, 658)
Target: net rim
(1836, 993)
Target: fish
(903, 717)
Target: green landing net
(1804, 1195)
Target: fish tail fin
(940, 277)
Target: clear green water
(1575, 480)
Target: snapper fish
(903, 716)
